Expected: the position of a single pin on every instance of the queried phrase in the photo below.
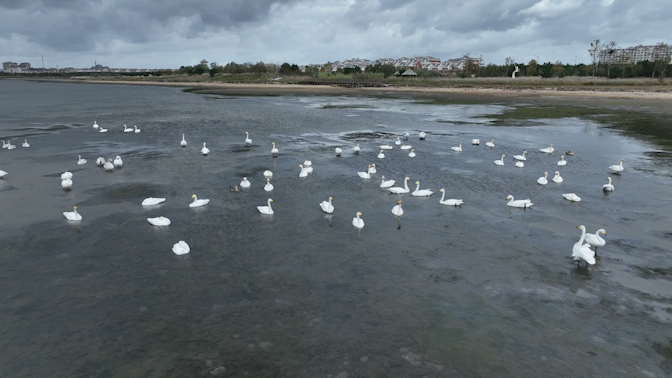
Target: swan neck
(443, 196)
(406, 185)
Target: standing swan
(357, 221)
(595, 240)
(183, 143)
(608, 187)
(205, 150)
(449, 202)
(617, 168)
(397, 210)
(500, 161)
(198, 202)
(274, 151)
(73, 215)
(266, 209)
(248, 141)
(518, 203)
(327, 207)
(582, 251)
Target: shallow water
(480, 290)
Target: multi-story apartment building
(635, 54)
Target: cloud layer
(171, 33)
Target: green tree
(531, 68)
(558, 69)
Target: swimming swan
(398, 142)
(25, 143)
(152, 201)
(304, 171)
(135, 129)
(397, 210)
(127, 129)
(500, 161)
(66, 175)
(364, 175)
(490, 143)
(518, 203)
(572, 197)
(562, 160)
(372, 169)
(521, 157)
(274, 150)
(198, 202)
(81, 161)
(357, 221)
(557, 178)
(412, 153)
(108, 166)
(475, 142)
(66, 184)
(617, 168)
(386, 184)
(338, 151)
(183, 143)
(245, 183)
(266, 209)
(181, 248)
(248, 141)
(205, 150)
(543, 180)
(449, 202)
(421, 193)
(608, 187)
(548, 150)
(356, 149)
(118, 163)
(268, 187)
(422, 135)
(457, 149)
(381, 155)
(327, 207)
(398, 190)
(73, 215)
(159, 221)
(268, 174)
(519, 164)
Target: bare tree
(509, 61)
(595, 49)
(610, 48)
(661, 59)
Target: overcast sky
(172, 33)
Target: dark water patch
(665, 350)
(124, 192)
(654, 273)
(366, 136)
(71, 171)
(455, 122)
(239, 148)
(349, 106)
(6, 188)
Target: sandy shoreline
(612, 98)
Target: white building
(635, 54)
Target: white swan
(3, 173)
(10, 146)
(372, 169)
(268, 174)
(386, 147)
(475, 142)
(381, 155)
(557, 178)
(399, 190)
(357, 221)
(152, 201)
(449, 202)
(266, 209)
(73, 215)
(118, 163)
(397, 210)
(422, 135)
(386, 184)
(135, 129)
(159, 221)
(582, 251)
(421, 193)
(198, 202)
(248, 141)
(304, 171)
(356, 149)
(268, 187)
(307, 163)
(548, 150)
(327, 207)
(100, 161)
(608, 187)
(338, 151)
(519, 164)
(412, 153)
(101, 130)
(66, 184)
(205, 150)
(81, 161)
(4, 144)
(127, 129)
(365, 175)
(457, 149)
(183, 143)
(617, 168)
(66, 175)
(406, 147)
(543, 180)
(595, 240)
(490, 143)
(518, 203)
(274, 151)
(406, 135)
(25, 143)
(181, 248)
(108, 166)
(521, 157)
(398, 142)
(500, 161)
(562, 160)
(572, 197)
(245, 183)
(95, 125)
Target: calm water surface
(481, 290)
